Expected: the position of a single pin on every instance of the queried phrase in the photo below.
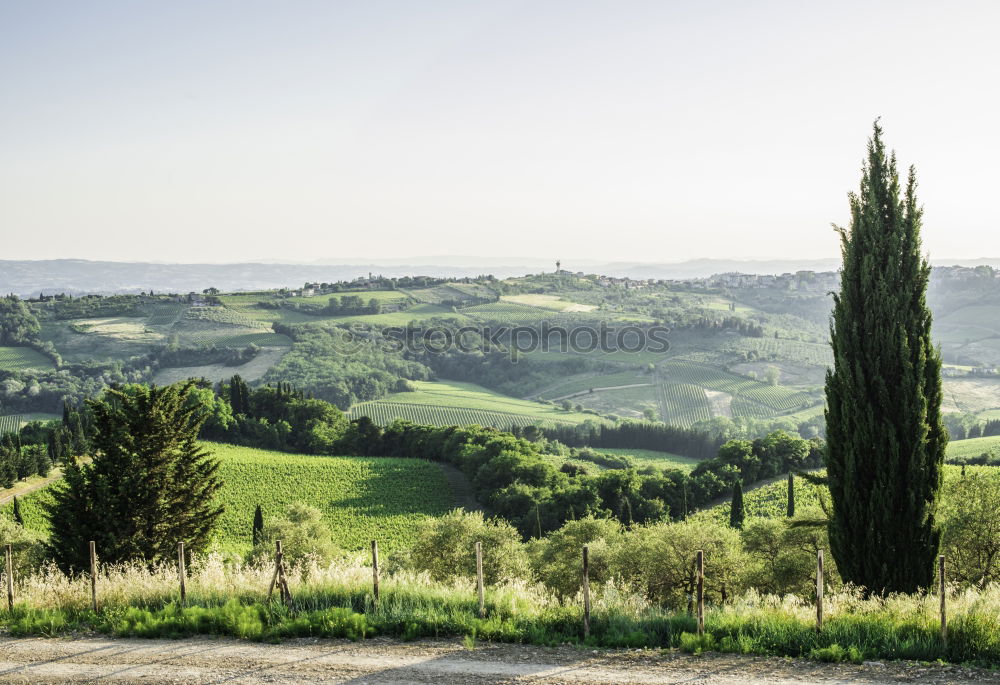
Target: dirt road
(208, 660)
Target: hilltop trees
(18, 325)
(149, 485)
(885, 437)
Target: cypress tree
(258, 525)
(736, 510)
(18, 519)
(885, 437)
(149, 485)
(790, 511)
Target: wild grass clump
(228, 597)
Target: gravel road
(208, 660)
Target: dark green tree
(790, 509)
(886, 440)
(18, 519)
(736, 513)
(258, 525)
(148, 486)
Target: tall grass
(228, 598)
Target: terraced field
(21, 358)
(453, 403)
(362, 498)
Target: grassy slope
(973, 447)
(362, 498)
(771, 500)
(457, 395)
(662, 460)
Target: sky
(629, 130)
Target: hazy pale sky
(297, 130)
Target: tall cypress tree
(736, 509)
(885, 437)
(258, 525)
(790, 508)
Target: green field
(383, 296)
(448, 403)
(510, 312)
(21, 358)
(415, 313)
(552, 302)
(584, 383)
(973, 447)
(771, 500)
(11, 423)
(660, 460)
(727, 394)
(682, 404)
(362, 498)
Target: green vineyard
(11, 424)
(510, 313)
(771, 349)
(223, 315)
(362, 498)
(683, 404)
(751, 398)
(21, 358)
(164, 313)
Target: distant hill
(28, 278)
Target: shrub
(445, 547)
(660, 559)
(557, 559)
(302, 532)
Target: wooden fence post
(10, 577)
(586, 591)
(943, 593)
(375, 568)
(279, 576)
(700, 567)
(180, 572)
(819, 589)
(479, 579)
(93, 575)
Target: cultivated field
(973, 447)
(660, 460)
(771, 500)
(553, 302)
(362, 498)
(21, 358)
(453, 403)
(251, 371)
